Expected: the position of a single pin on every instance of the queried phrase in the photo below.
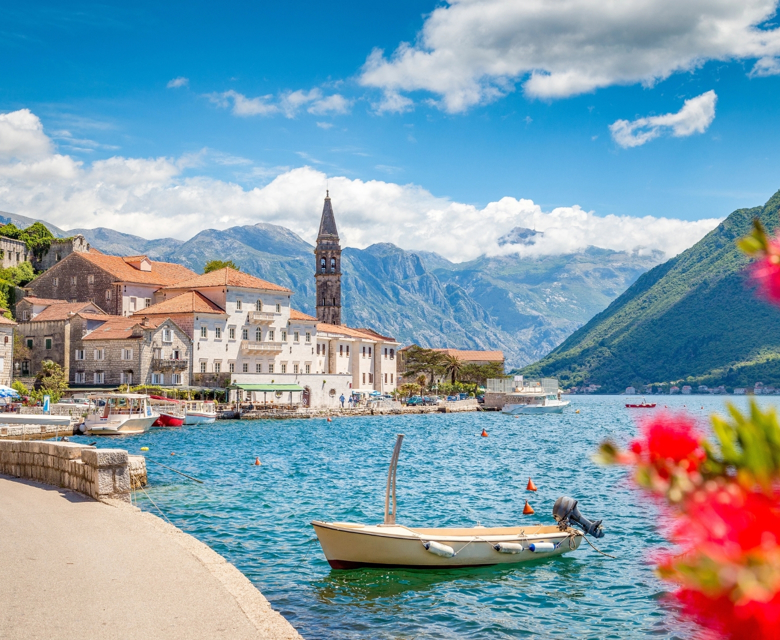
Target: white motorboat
(119, 414)
(199, 412)
(349, 545)
(534, 396)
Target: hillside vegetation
(693, 319)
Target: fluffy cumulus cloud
(289, 103)
(695, 116)
(179, 82)
(158, 197)
(472, 51)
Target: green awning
(270, 388)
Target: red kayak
(168, 420)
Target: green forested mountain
(694, 318)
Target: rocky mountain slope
(692, 318)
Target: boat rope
(174, 470)
(158, 508)
(598, 550)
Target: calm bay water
(258, 518)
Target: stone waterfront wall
(98, 473)
(34, 431)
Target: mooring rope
(598, 550)
(158, 508)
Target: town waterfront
(258, 518)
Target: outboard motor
(565, 511)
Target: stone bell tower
(328, 267)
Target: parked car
(481, 399)
(414, 401)
(453, 398)
(431, 400)
(463, 396)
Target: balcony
(262, 317)
(253, 347)
(167, 364)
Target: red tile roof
(121, 328)
(189, 302)
(34, 300)
(474, 356)
(299, 315)
(162, 273)
(227, 277)
(4, 320)
(63, 311)
(340, 329)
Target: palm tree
(421, 381)
(453, 367)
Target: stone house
(53, 330)
(60, 249)
(13, 252)
(134, 350)
(6, 350)
(118, 285)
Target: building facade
(60, 248)
(134, 351)
(118, 285)
(53, 330)
(327, 272)
(6, 351)
(13, 252)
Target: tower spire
(328, 267)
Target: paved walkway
(71, 567)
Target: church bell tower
(328, 267)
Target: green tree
(19, 275)
(216, 265)
(51, 380)
(479, 373)
(453, 366)
(37, 237)
(423, 361)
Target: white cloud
(473, 51)
(178, 82)
(393, 102)
(243, 106)
(325, 125)
(289, 103)
(156, 197)
(22, 136)
(695, 116)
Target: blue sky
(96, 76)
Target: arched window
(333, 265)
(259, 305)
(259, 334)
(322, 265)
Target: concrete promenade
(72, 567)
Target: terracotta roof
(63, 311)
(4, 320)
(34, 300)
(376, 335)
(120, 328)
(94, 316)
(363, 334)
(227, 277)
(189, 302)
(474, 356)
(162, 273)
(299, 315)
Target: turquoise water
(258, 518)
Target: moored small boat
(533, 397)
(171, 411)
(119, 414)
(640, 405)
(200, 412)
(349, 545)
(167, 419)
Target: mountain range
(524, 306)
(694, 319)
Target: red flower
(766, 272)
(729, 522)
(672, 437)
(749, 621)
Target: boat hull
(168, 420)
(517, 409)
(116, 428)
(351, 546)
(197, 417)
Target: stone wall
(98, 473)
(34, 431)
(495, 400)
(60, 249)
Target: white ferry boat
(533, 397)
(119, 414)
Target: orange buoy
(484, 433)
(257, 462)
(172, 453)
(329, 420)
(528, 509)
(531, 486)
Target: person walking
(342, 400)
